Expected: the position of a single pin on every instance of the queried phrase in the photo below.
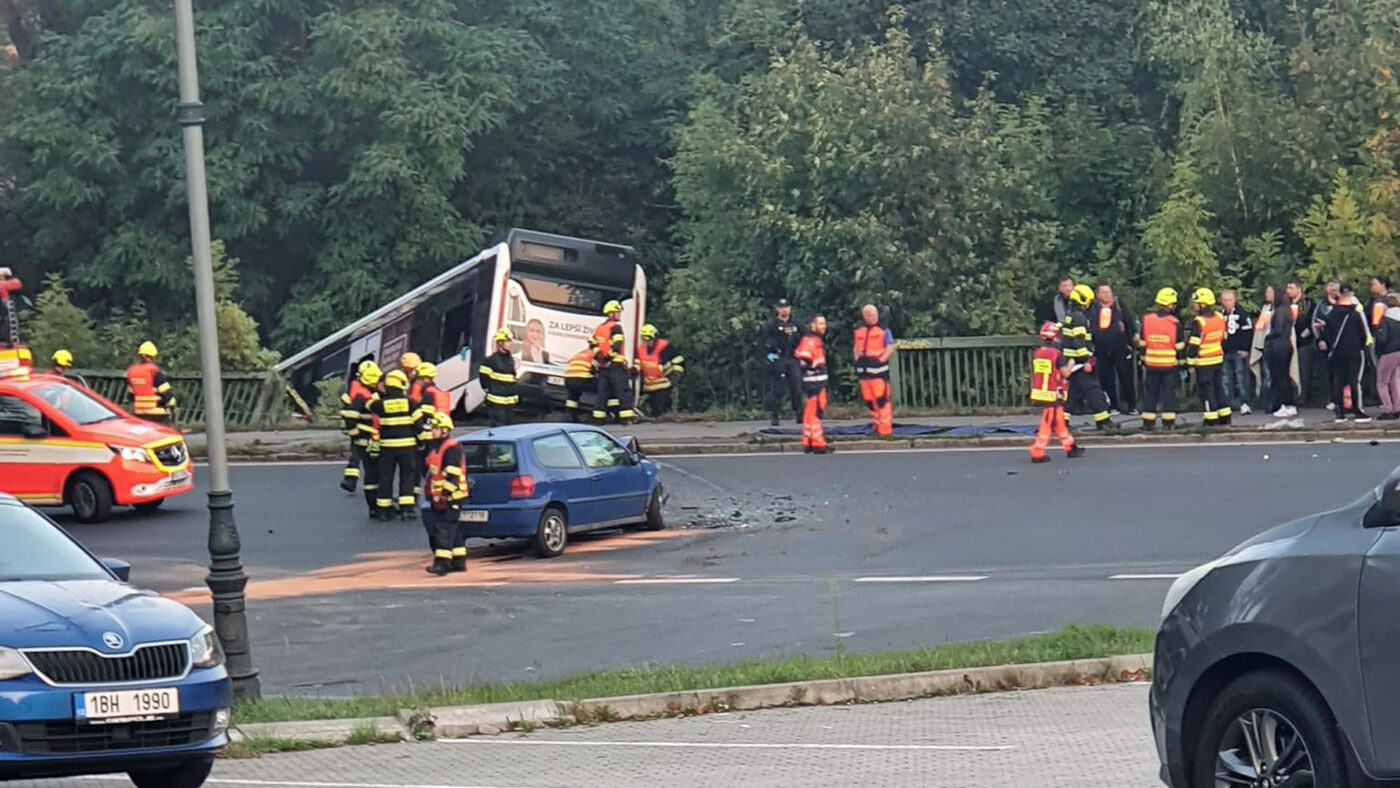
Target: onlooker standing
(778, 340)
(1388, 367)
(1380, 290)
(1113, 327)
(1330, 294)
(1344, 337)
(1058, 306)
(1239, 339)
(1300, 308)
(1263, 388)
(1280, 356)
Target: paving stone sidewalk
(1083, 737)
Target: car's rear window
(490, 457)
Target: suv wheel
(1268, 729)
(186, 774)
(90, 496)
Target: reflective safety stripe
(445, 555)
(459, 552)
(398, 443)
(495, 400)
(499, 377)
(819, 377)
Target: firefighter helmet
(426, 370)
(370, 373)
(147, 350)
(1049, 331)
(1082, 295)
(502, 335)
(1166, 297)
(1204, 296)
(442, 421)
(612, 307)
(648, 331)
(396, 379)
(409, 361)
(63, 358)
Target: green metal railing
(962, 373)
(251, 399)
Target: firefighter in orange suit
(151, 395)
(447, 491)
(1048, 368)
(580, 377)
(614, 396)
(811, 357)
(1205, 354)
(1161, 345)
(659, 365)
(874, 344)
(359, 427)
(427, 400)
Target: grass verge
(1077, 641)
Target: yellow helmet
(1204, 296)
(612, 306)
(442, 421)
(63, 358)
(396, 379)
(370, 373)
(502, 335)
(1166, 297)
(648, 331)
(427, 370)
(147, 350)
(1082, 295)
(409, 361)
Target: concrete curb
(461, 721)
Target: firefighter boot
(1077, 451)
(348, 484)
(407, 513)
(459, 563)
(440, 567)
(1038, 460)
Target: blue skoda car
(97, 676)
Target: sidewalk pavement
(701, 433)
(1080, 737)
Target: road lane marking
(122, 780)
(688, 745)
(923, 579)
(431, 586)
(675, 581)
(694, 476)
(1144, 577)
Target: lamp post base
(227, 580)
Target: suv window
(16, 414)
(555, 451)
(490, 457)
(598, 450)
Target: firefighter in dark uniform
(580, 377)
(427, 400)
(778, 341)
(497, 373)
(614, 397)
(447, 491)
(659, 365)
(1085, 394)
(358, 426)
(396, 426)
(151, 396)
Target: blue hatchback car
(97, 676)
(544, 482)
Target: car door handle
(596, 477)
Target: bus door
(458, 365)
(394, 342)
(367, 345)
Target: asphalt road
(790, 555)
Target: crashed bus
(547, 290)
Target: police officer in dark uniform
(778, 341)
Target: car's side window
(554, 451)
(598, 450)
(16, 414)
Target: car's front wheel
(1268, 728)
(185, 774)
(90, 496)
(552, 533)
(656, 520)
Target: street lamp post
(226, 577)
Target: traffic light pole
(226, 578)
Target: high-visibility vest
(649, 362)
(431, 400)
(1046, 381)
(1160, 341)
(141, 379)
(447, 481)
(353, 413)
(870, 345)
(811, 353)
(610, 339)
(395, 422)
(1210, 350)
(580, 365)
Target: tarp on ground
(914, 430)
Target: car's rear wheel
(186, 774)
(1268, 728)
(149, 506)
(90, 496)
(656, 520)
(552, 534)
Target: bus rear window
(548, 292)
(490, 457)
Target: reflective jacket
(580, 365)
(1075, 343)
(1206, 347)
(1161, 340)
(497, 372)
(870, 344)
(447, 475)
(612, 339)
(657, 361)
(1047, 384)
(811, 354)
(354, 413)
(150, 389)
(431, 400)
(395, 423)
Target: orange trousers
(813, 437)
(876, 393)
(1052, 419)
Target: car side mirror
(118, 567)
(35, 431)
(1385, 512)
(634, 450)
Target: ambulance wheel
(149, 506)
(552, 534)
(655, 520)
(90, 496)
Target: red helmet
(1050, 331)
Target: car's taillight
(522, 487)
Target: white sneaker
(1282, 412)
(1292, 411)
(1244, 409)
(1331, 406)
(1339, 420)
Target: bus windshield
(564, 295)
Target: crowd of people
(1272, 359)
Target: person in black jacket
(1239, 338)
(1113, 326)
(1344, 338)
(1279, 346)
(1388, 353)
(1300, 307)
(778, 341)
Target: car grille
(68, 737)
(148, 663)
(171, 455)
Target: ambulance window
(16, 414)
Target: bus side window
(456, 329)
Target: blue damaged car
(97, 676)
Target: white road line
(923, 579)
(1144, 577)
(675, 581)
(294, 783)
(690, 475)
(689, 745)
(439, 586)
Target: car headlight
(12, 664)
(205, 651)
(130, 453)
(1183, 585)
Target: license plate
(125, 705)
(473, 515)
(180, 477)
(554, 380)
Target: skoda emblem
(112, 640)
